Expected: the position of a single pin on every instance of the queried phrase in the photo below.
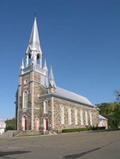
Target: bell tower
(33, 82)
(34, 52)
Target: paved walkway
(85, 145)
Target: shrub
(11, 124)
(75, 130)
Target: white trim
(86, 118)
(25, 99)
(91, 120)
(32, 103)
(69, 116)
(45, 107)
(44, 124)
(76, 117)
(81, 117)
(52, 105)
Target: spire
(45, 65)
(34, 52)
(22, 65)
(34, 41)
(51, 79)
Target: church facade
(43, 106)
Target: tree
(11, 124)
(112, 112)
(117, 95)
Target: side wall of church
(63, 119)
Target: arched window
(81, 117)
(91, 120)
(25, 99)
(76, 117)
(86, 117)
(69, 116)
(45, 107)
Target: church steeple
(51, 79)
(22, 65)
(45, 66)
(34, 52)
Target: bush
(75, 130)
(98, 128)
(11, 124)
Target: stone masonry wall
(30, 82)
(58, 103)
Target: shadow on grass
(75, 156)
(6, 153)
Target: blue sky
(79, 38)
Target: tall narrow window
(76, 118)
(86, 117)
(81, 117)
(25, 99)
(69, 116)
(45, 107)
(62, 114)
(91, 122)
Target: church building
(43, 106)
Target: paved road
(85, 145)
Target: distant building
(43, 106)
(2, 127)
(103, 122)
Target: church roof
(60, 92)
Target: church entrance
(46, 124)
(24, 123)
(37, 124)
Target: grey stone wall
(30, 82)
(73, 106)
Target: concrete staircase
(15, 133)
(9, 133)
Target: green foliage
(11, 124)
(74, 130)
(112, 112)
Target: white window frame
(69, 116)
(91, 118)
(81, 117)
(25, 97)
(76, 117)
(86, 117)
(45, 107)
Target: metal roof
(71, 96)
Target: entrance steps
(16, 133)
(9, 133)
